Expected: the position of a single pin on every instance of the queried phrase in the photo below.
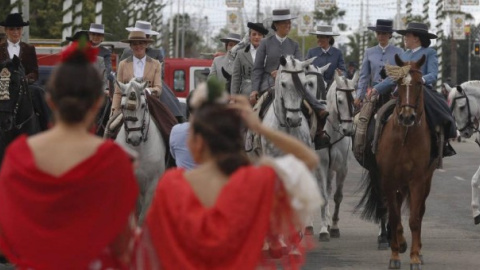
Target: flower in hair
(212, 91)
(79, 49)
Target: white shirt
(280, 38)
(383, 48)
(13, 49)
(325, 51)
(253, 52)
(139, 66)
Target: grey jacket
(216, 68)
(242, 72)
(268, 60)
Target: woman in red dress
(220, 214)
(66, 196)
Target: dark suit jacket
(28, 58)
(334, 56)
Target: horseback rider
(326, 53)
(243, 64)
(28, 57)
(96, 35)
(267, 61)
(417, 42)
(222, 61)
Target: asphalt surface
(450, 238)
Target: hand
(372, 93)
(240, 103)
(253, 97)
(274, 74)
(357, 102)
(339, 72)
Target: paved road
(450, 239)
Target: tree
(354, 44)
(330, 15)
(193, 43)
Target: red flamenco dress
(183, 234)
(69, 221)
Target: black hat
(14, 20)
(383, 26)
(417, 28)
(258, 27)
(78, 35)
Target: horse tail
(372, 203)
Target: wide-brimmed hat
(383, 26)
(78, 35)
(137, 36)
(258, 27)
(231, 37)
(97, 28)
(143, 26)
(418, 29)
(14, 20)
(282, 15)
(324, 30)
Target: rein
(470, 123)
(417, 100)
(144, 124)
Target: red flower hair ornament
(79, 50)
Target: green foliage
(329, 15)
(215, 88)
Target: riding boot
(448, 150)
(321, 139)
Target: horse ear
(447, 87)
(324, 68)
(308, 62)
(283, 60)
(398, 61)
(421, 61)
(459, 89)
(122, 86)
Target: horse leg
(383, 237)
(324, 235)
(337, 198)
(476, 196)
(394, 218)
(418, 197)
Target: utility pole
(258, 11)
(177, 31)
(183, 30)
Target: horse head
(289, 90)
(410, 89)
(135, 111)
(315, 82)
(464, 107)
(340, 97)
(12, 79)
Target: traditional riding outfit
(330, 55)
(223, 61)
(243, 64)
(436, 108)
(103, 52)
(28, 58)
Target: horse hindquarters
(476, 196)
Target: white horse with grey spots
(464, 102)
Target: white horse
(285, 113)
(465, 105)
(140, 134)
(333, 159)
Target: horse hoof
(335, 233)
(476, 219)
(394, 264)
(415, 266)
(324, 237)
(403, 247)
(308, 230)
(420, 257)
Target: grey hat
(324, 30)
(97, 28)
(143, 26)
(418, 29)
(231, 37)
(282, 15)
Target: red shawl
(229, 235)
(63, 222)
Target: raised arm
(236, 76)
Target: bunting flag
(234, 3)
(470, 2)
(458, 26)
(451, 5)
(233, 21)
(324, 4)
(305, 24)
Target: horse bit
(298, 84)
(130, 107)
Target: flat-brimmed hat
(231, 37)
(324, 30)
(418, 29)
(14, 20)
(282, 15)
(97, 28)
(137, 36)
(383, 26)
(258, 27)
(143, 26)
(78, 35)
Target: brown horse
(403, 161)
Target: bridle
(321, 89)
(407, 104)
(22, 92)
(470, 123)
(348, 92)
(298, 86)
(128, 118)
